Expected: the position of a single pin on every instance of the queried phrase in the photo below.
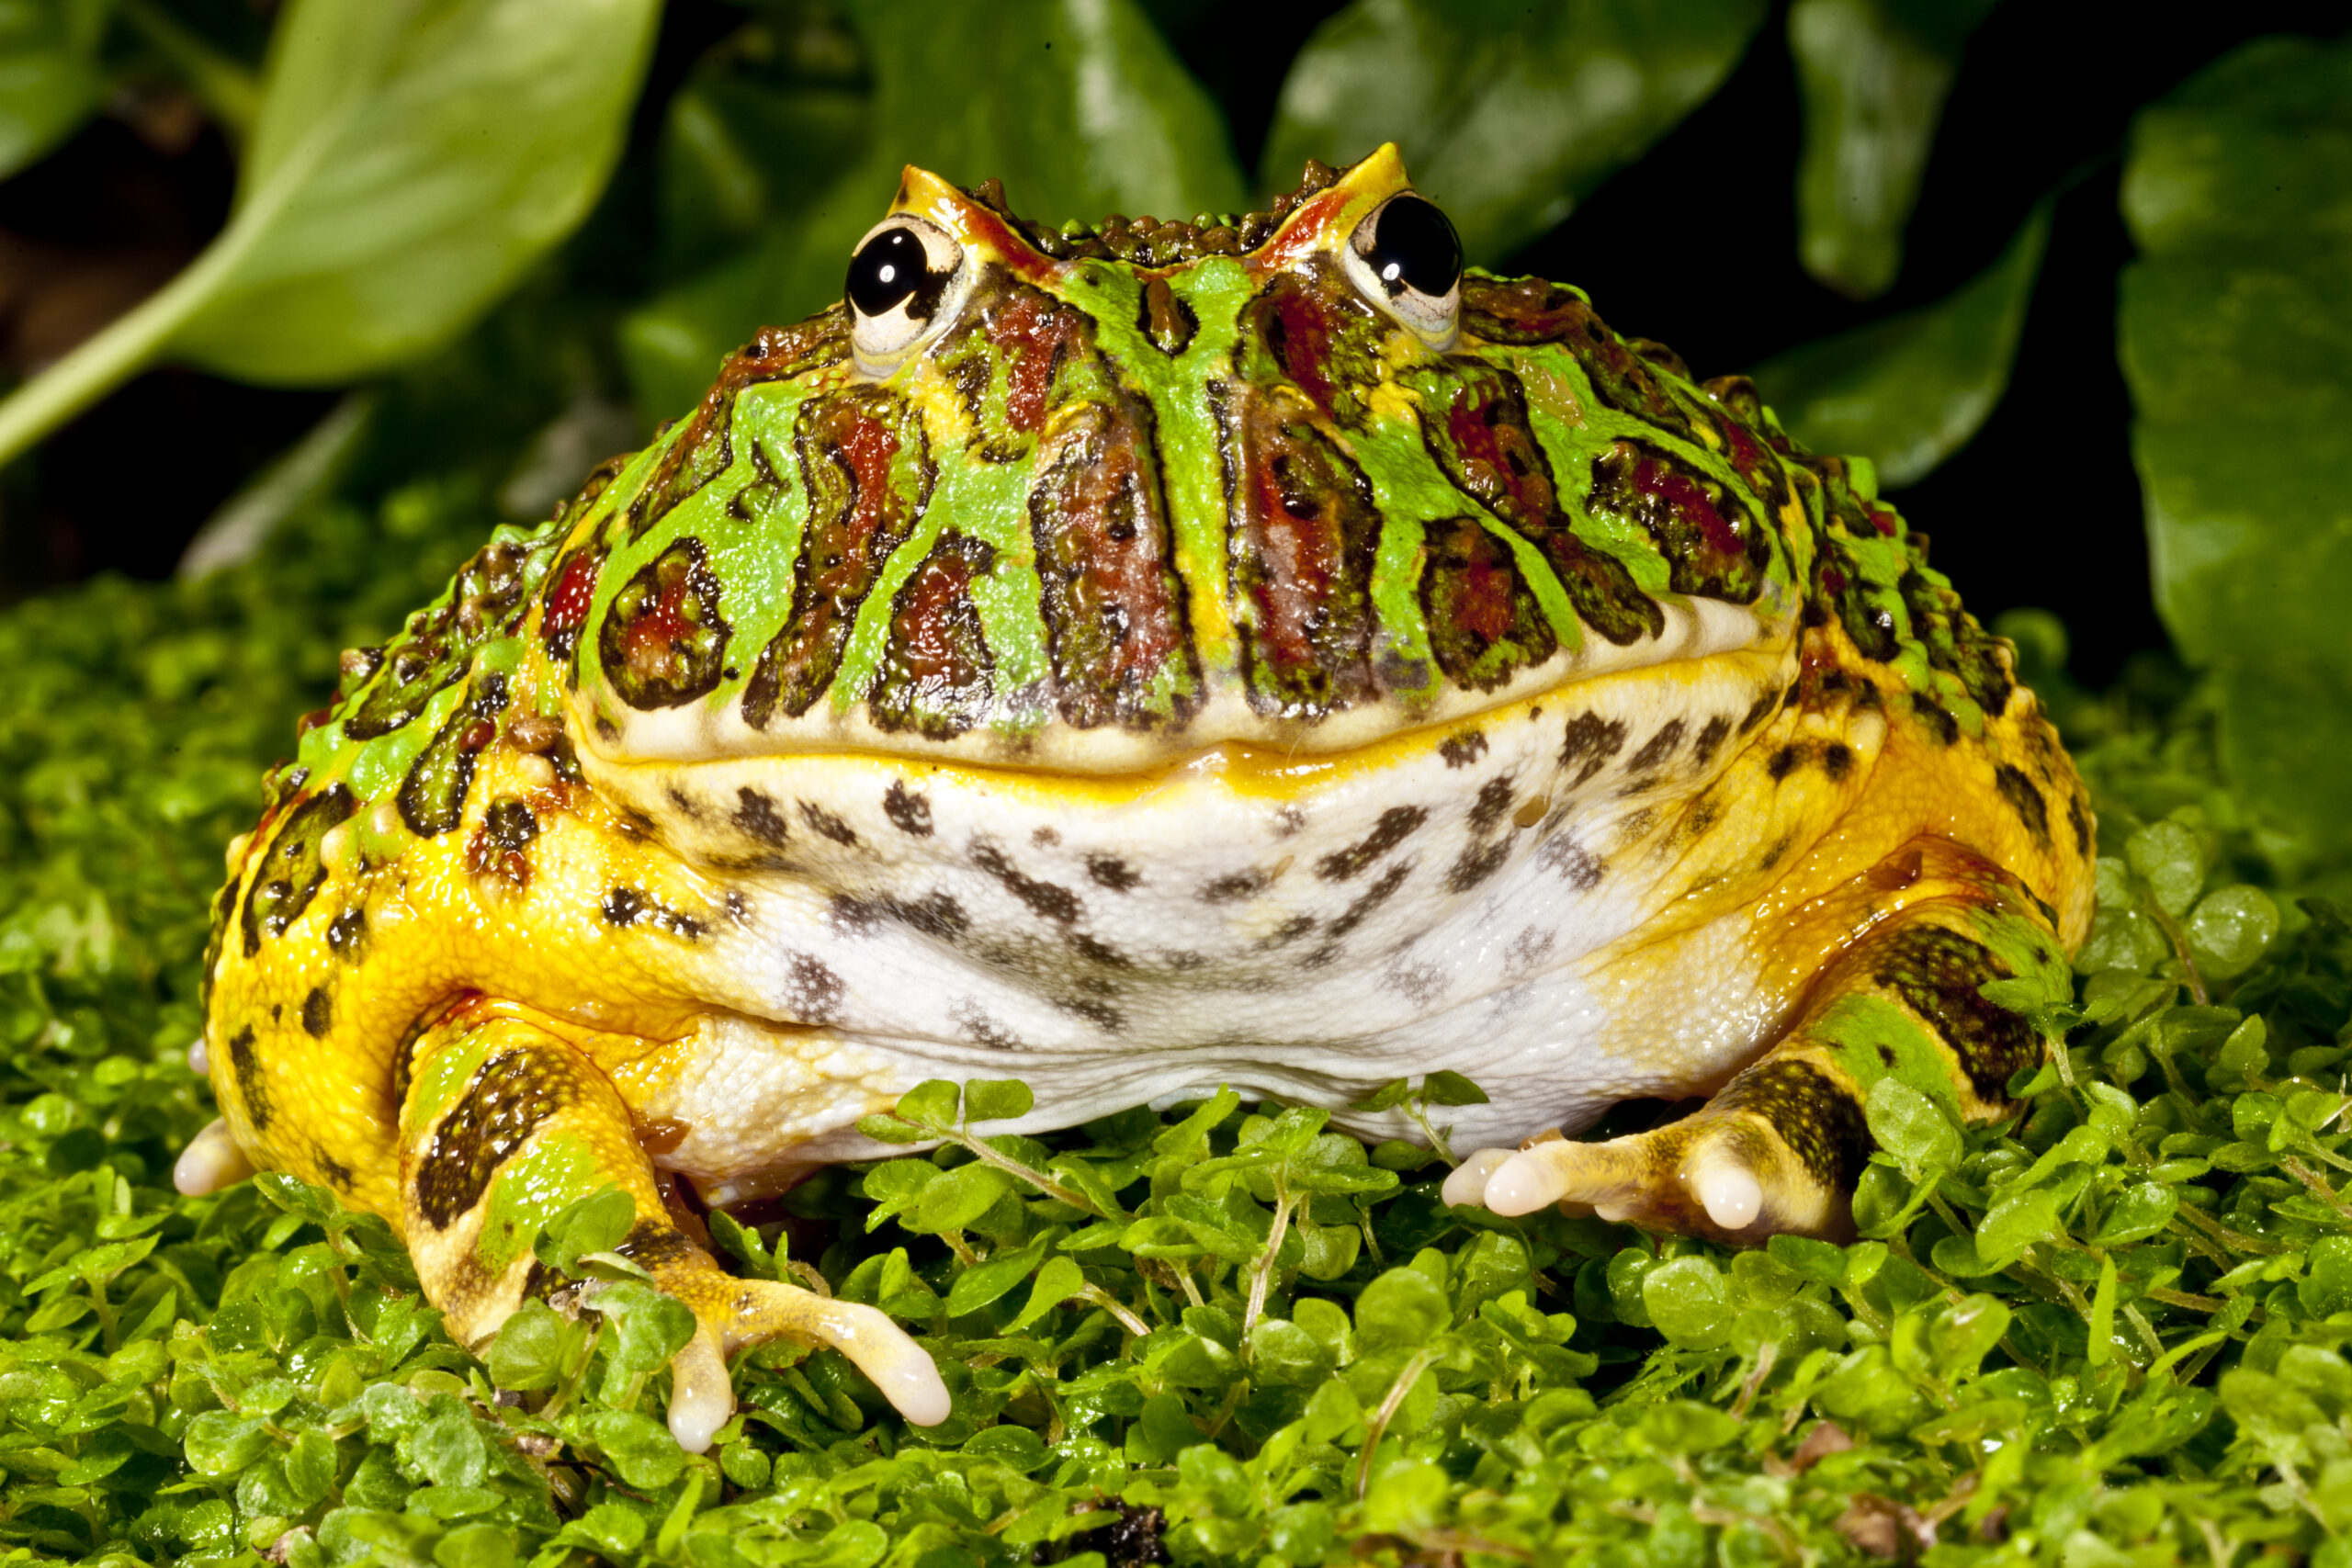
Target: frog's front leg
(502, 1126)
(1779, 1146)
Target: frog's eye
(1405, 257)
(899, 280)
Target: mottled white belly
(1447, 901)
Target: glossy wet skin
(1135, 662)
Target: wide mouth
(1021, 736)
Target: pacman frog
(1253, 651)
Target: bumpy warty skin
(1135, 662)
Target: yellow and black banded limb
(502, 1126)
(1779, 1146)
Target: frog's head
(1094, 499)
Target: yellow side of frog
(1773, 869)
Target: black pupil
(1414, 246)
(886, 270)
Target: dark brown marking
(1576, 867)
(1784, 761)
(1590, 743)
(1461, 751)
(290, 871)
(1113, 603)
(907, 811)
(1300, 551)
(1379, 892)
(2026, 801)
(1707, 531)
(812, 992)
(1938, 973)
(935, 914)
(630, 906)
(318, 1013)
(1047, 900)
(252, 1079)
(1111, 871)
(824, 823)
(431, 798)
(1234, 887)
(347, 934)
(1477, 863)
(756, 817)
(1657, 748)
(512, 1093)
(1818, 1122)
(1396, 825)
(1716, 731)
(1494, 802)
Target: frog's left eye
(1405, 257)
(900, 280)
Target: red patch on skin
(1305, 231)
(1482, 603)
(1034, 336)
(866, 446)
(1481, 441)
(1833, 580)
(1884, 522)
(574, 592)
(1304, 344)
(1110, 599)
(1683, 494)
(932, 653)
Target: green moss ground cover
(2110, 1331)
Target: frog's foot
(505, 1126)
(1746, 1166)
(1779, 1146)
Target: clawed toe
(1724, 1176)
(701, 1396)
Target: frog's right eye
(898, 284)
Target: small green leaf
(1908, 391)
(931, 1103)
(594, 1224)
(997, 1099)
(984, 1282)
(222, 1443)
(639, 1448)
(956, 1198)
(2167, 857)
(2140, 1210)
(885, 1128)
(533, 1348)
(2230, 928)
(1402, 1310)
(1690, 1302)
(1452, 1089)
(1911, 1127)
(1387, 1097)
(1058, 1278)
